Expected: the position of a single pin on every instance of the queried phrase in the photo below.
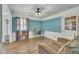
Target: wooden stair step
(63, 40)
(44, 49)
(56, 48)
(57, 43)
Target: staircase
(54, 47)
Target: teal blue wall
(13, 24)
(53, 25)
(35, 24)
(32, 24)
(0, 23)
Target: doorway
(21, 28)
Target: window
(21, 24)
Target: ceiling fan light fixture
(38, 12)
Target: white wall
(30, 35)
(6, 14)
(52, 35)
(13, 36)
(65, 33)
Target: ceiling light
(38, 12)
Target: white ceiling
(47, 10)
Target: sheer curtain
(22, 27)
(22, 24)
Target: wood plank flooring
(37, 45)
(26, 47)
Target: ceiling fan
(38, 12)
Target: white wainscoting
(52, 35)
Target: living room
(39, 23)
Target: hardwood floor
(37, 45)
(25, 47)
